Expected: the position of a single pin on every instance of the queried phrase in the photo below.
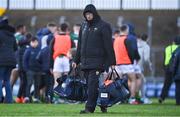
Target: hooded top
(132, 40)
(44, 32)
(44, 42)
(7, 44)
(91, 8)
(131, 29)
(95, 48)
(5, 26)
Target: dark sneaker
(1, 99)
(48, 100)
(103, 109)
(161, 100)
(85, 112)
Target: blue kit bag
(113, 90)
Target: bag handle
(109, 77)
(116, 73)
(72, 72)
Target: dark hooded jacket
(95, 48)
(175, 64)
(7, 44)
(44, 32)
(131, 44)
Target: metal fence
(100, 4)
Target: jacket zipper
(86, 43)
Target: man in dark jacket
(47, 79)
(168, 52)
(132, 41)
(95, 53)
(7, 57)
(33, 70)
(22, 42)
(135, 57)
(175, 69)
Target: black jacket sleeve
(78, 53)
(51, 52)
(72, 44)
(129, 48)
(26, 60)
(43, 59)
(137, 56)
(15, 45)
(108, 46)
(174, 63)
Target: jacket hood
(131, 28)
(92, 9)
(5, 26)
(3, 21)
(43, 31)
(44, 42)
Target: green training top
(168, 53)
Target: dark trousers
(36, 77)
(177, 83)
(92, 78)
(47, 81)
(167, 84)
(23, 84)
(5, 81)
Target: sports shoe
(160, 100)
(133, 101)
(48, 99)
(178, 103)
(26, 100)
(146, 101)
(85, 111)
(18, 100)
(22, 98)
(103, 109)
(2, 99)
(35, 100)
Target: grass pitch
(168, 108)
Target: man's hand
(51, 71)
(113, 67)
(74, 65)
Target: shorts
(124, 69)
(61, 64)
(137, 69)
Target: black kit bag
(113, 90)
(72, 87)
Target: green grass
(166, 109)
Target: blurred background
(160, 19)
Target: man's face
(89, 16)
(76, 29)
(53, 29)
(34, 44)
(23, 30)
